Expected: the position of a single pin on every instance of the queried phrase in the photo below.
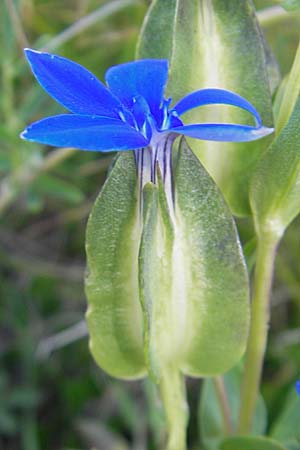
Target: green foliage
(251, 443)
(197, 61)
(195, 305)
(286, 427)
(203, 294)
(44, 201)
(211, 423)
(275, 184)
(288, 94)
(157, 34)
(58, 188)
(291, 5)
(60, 400)
(275, 190)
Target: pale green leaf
(275, 188)
(289, 94)
(291, 5)
(286, 428)
(211, 424)
(251, 443)
(210, 46)
(156, 36)
(249, 250)
(208, 50)
(53, 186)
(114, 316)
(278, 100)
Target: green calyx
(165, 289)
(167, 286)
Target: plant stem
(61, 339)
(173, 394)
(271, 15)
(85, 22)
(267, 244)
(17, 24)
(224, 405)
(13, 183)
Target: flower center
(155, 161)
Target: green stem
(266, 249)
(272, 15)
(85, 22)
(17, 24)
(11, 186)
(224, 404)
(172, 388)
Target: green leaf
(275, 187)
(207, 49)
(249, 250)
(8, 423)
(291, 5)
(156, 36)
(251, 443)
(114, 316)
(278, 100)
(211, 425)
(55, 187)
(286, 427)
(293, 445)
(24, 397)
(289, 94)
(218, 58)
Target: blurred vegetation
(52, 395)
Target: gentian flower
(298, 387)
(130, 113)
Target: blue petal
(298, 387)
(72, 85)
(140, 110)
(223, 132)
(146, 78)
(85, 132)
(215, 96)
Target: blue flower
(130, 112)
(298, 387)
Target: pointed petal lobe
(146, 78)
(73, 86)
(215, 96)
(85, 132)
(223, 132)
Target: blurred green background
(52, 395)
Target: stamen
(148, 159)
(165, 108)
(154, 163)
